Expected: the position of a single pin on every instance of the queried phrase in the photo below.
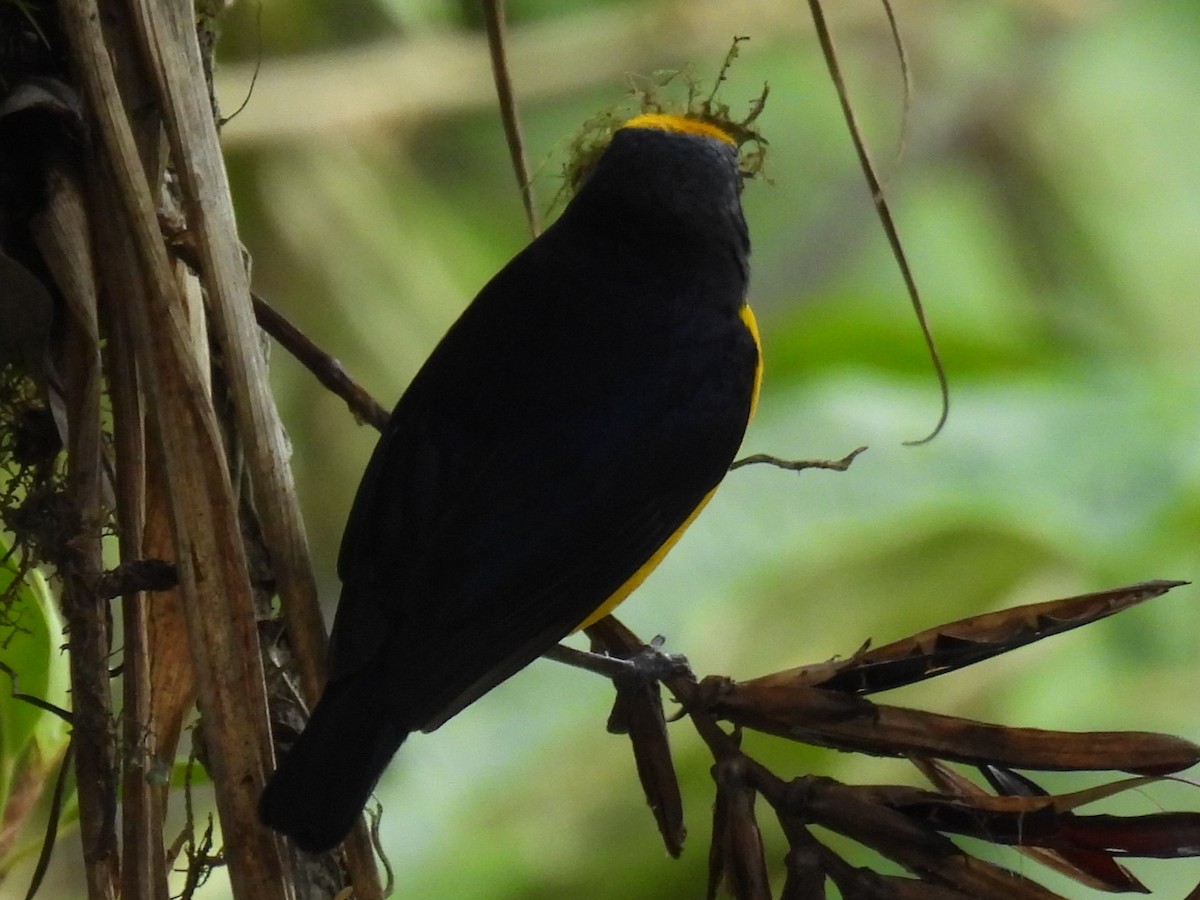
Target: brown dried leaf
(822, 718)
(865, 884)
(805, 876)
(809, 862)
(736, 857)
(1092, 869)
(638, 712)
(1024, 804)
(937, 651)
(858, 814)
(1172, 835)
(1161, 835)
(1045, 820)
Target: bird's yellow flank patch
(680, 125)
(646, 568)
(747, 317)
(751, 323)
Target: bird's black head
(662, 169)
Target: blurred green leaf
(32, 740)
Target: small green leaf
(32, 739)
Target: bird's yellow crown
(680, 125)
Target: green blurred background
(1047, 196)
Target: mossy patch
(659, 93)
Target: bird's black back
(569, 423)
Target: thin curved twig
(493, 14)
(885, 214)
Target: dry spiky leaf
(638, 712)
(858, 814)
(1092, 869)
(828, 719)
(736, 857)
(937, 651)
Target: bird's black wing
(515, 490)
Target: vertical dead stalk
(210, 557)
(62, 234)
(143, 870)
(167, 34)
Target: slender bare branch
(798, 465)
(884, 212)
(327, 369)
(493, 13)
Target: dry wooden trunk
(201, 482)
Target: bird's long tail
(320, 788)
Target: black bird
(557, 442)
